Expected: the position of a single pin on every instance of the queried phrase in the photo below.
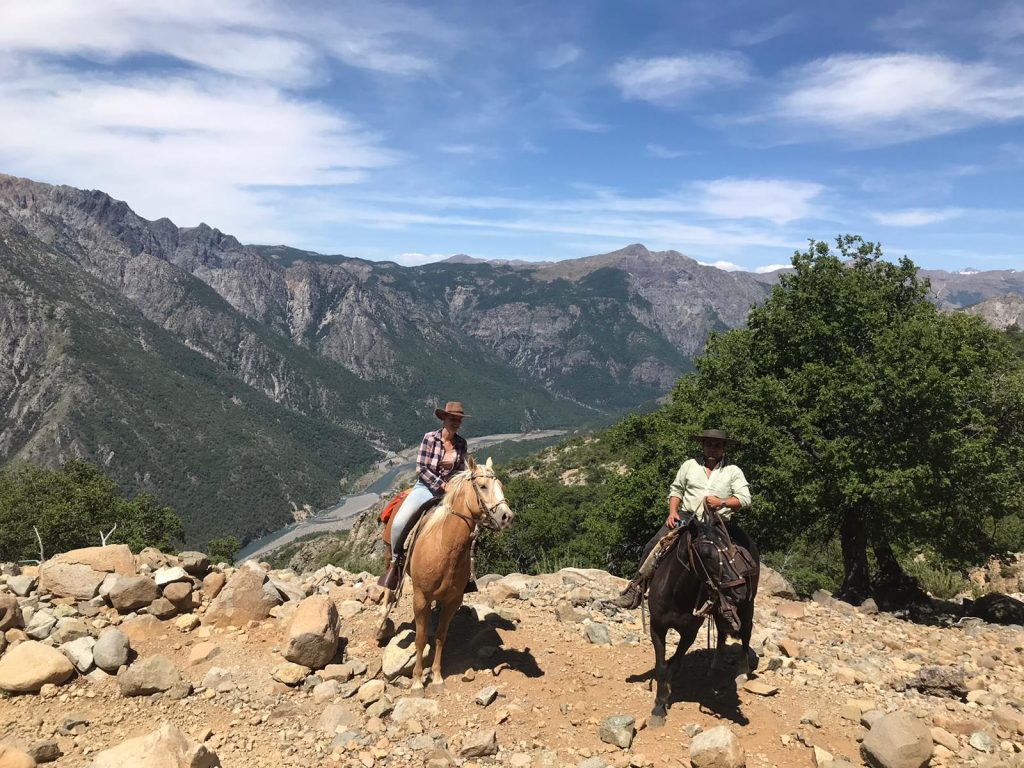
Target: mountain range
(236, 382)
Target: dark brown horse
(677, 591)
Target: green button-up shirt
(692, 484)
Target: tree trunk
(856, 576)
(893, 587)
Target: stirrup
(393, 577)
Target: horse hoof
(416, 690)
(437, 686)
(656, 721)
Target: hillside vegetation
(877, 432)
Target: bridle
(486, 518)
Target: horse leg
(718, 662)
(746, 611)
(448, 610)
(421, 609)
(661, 677)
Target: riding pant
(406, 515)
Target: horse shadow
(475, 643)
(714, 693)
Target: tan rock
(202, 652)
(130, 593)
(30, 665)
(213, 583)
(312, 639)
(80, 572)
(897, 740)
(790, 610)
(10, 613)
(290, 673)
(247, 596)
(166, 747)
(790, 647)
(717, 748)
(15, 758)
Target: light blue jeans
(418, 496)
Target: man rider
(711, 481)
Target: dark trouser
(654, 540)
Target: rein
(485, 509)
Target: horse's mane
(437, 515)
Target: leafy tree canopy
(866, 414)
(71, 508)
(223, 549)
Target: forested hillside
(879, 435)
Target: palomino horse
(439, 563)
(676, 587)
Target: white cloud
(776, 200)
(246, 38)
(899, 97)
(559, 56)
(667, 80)
(769, 31)
(664, 152)
(771, 268)
(727, 266)
(577, 122)
(195, 149)
(916, 217)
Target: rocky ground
(250, 667)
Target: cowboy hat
(451, 408)
(715, 434)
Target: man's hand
(673, 519)
(713, 502)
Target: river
(343, 515)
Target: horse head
(490, 496)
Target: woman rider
(442, 454)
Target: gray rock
(485, 696)
(195, 563)
(130, 593)
(169, 575)
(68, 629)
(598, 634)
(618, 730)
(982, 742)
(21, 585)
(771, 582)
(422, 710)
(593, 762)
(313, 634)
(40, 625)
(897, 740)
(111, 650)
(935, 680)
(399, 655)
(162, 608)
(717, 748)
(45, 751)
(79, 652)
(479, 743)
(156, 674)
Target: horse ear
(471, 463)
(490, 464)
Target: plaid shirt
(428, 461)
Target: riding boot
(633, 594)
(393, 577)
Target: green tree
(223, 549)
(73, 507)
(866, 413)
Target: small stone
(485, 696)
(717, 748)
(598, 634)
(290, 673)
(982, 742)
(618, 730)
(759, 688)
(480, 743)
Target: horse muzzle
(502, 516)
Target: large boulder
(10, 612)
(130, 593)
(80, 572)
(111, 651)
(195, 563)
(771, 582)
(156, 674)
(10, 757)
(717, 748)
(247, 596)
(312, 638)
(29, 666)
(897, 740)
(166, 747)
(399, 655)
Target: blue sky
(730, 131)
